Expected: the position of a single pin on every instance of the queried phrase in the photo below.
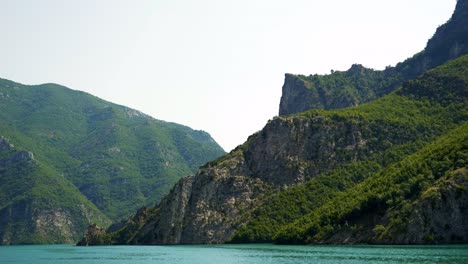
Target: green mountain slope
(118, 158)
(37, 205)
(305, 176)
(414, 114)
(359, 84)
(422, 199)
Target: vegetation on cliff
(379, 208)
(360, 85)
(404, 122)
(330, 176)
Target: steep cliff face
(420, 200)
(23, 224)
(210, 206)
(359, 85)
(298, 96)
(36, 204)
(338, 90)
(223, 195)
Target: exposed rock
(210, 206)
(52, 225)
(18, 156)
(23, 155)
(93, 236)
(297, 96)
(204, 208)
(440, 214)
(5, 144)
(359, 84)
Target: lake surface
(226, 254)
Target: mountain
(37, 204)
(359, 84)
(69, 159)
(421, 199)
(389, 171)
(325, 176)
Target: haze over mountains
(389, 171)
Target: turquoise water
(226, 254)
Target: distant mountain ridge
(112, 158)
(360, 85)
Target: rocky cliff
(223, 195)
(210, 206)
(439, 214)
(36, 204)
(363, 166)
(421, 199)
(359, 84)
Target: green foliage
(284, 207)
(359, 84)
(396, 125)
(392, 189)
(117, 157)
(352, 87)
(32, 191)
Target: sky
(212, 65)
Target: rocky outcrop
(51, 225)
(439, 215)
(37, 206)
(203, 208)
(298, 96)
(5, 144)
(211, 205)
(93, 235)
(359, 84)
(338, 90)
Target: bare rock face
(34, 211)
(57, 225)
(288, 150)
(204, 208)
(5, 145)
(211, 205)
(93, 236)
(358, 84)
(297, 96)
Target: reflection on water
(256, 254)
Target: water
(226, 254)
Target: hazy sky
(210, 64)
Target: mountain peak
(359, 85)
